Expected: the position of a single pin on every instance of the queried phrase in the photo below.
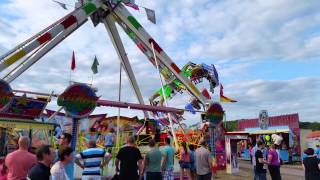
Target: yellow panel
(24, 125)
(193, 87)
(270, 131)
(15, 57)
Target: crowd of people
(48, 163)
(58, 164)
(264, 159)
(159, 164)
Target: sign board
(263, 119)
(78, 100)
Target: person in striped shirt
(92, 159)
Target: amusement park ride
(110, 13)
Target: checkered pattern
(168, 174)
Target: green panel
(89, 8)
(134, 22)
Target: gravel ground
(288, 172)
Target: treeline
(314, 126)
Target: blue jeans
(260, 176)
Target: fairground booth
(19, 119)
(264, 128)
(231, 141)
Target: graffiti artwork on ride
(263, 119)
(6, 95)
(78, 100)
(214, 113)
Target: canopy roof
(25, 124)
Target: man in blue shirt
(93, 159)
(318, 151)
(168, 160)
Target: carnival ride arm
(72, 21)
(145, 42)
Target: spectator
(260, 171)
(274, 163)
(45, 157)
(58, 170)
(250, 152)
(318, 151)
(192, 162)
(184, 161)
(109, 139)
(168, 160)
(152, 162)
(130, 160)
(203, 162)
(93, 158)
(253, 161)
(170, 136)
(290, 152)
(20, 161)
(3, 171)
(65, 141)
(311, 165)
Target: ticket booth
(231, 140)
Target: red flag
(205, 93)
(132, 5)
(73, 61)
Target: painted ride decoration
(78, 100)
(214, 113)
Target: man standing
(318, 151)
(203, 162)
(130, 160)
(58, 170)
(260, 171)
(109, 139)
(93, 158)
(41, 171)
(152, 162)
(65, 141)
(20, 161)
(168, 160)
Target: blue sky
(266, 52)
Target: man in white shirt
(58, 171)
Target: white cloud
(231, 34)
(278, 97)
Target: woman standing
(311, 165)
(192, 162)
(274, 163)
(184, 161)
